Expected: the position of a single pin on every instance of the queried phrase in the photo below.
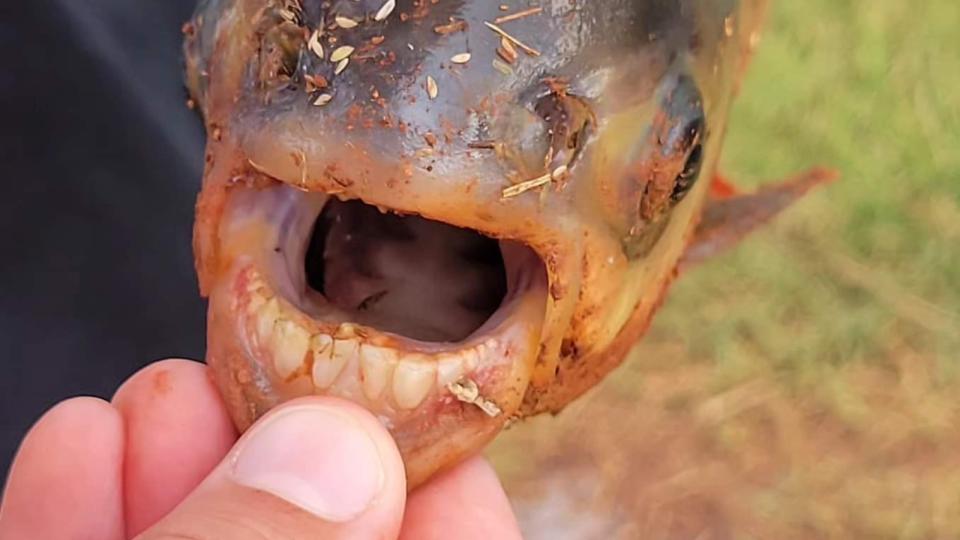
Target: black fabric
(100, 166)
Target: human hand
(162, 460)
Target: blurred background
(804, 386)
(101, 163)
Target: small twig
(526, 48)
(467, 391)
(525, 186)
(518, 15)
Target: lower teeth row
(344, 362)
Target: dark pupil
(687, 177)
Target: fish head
(452, 214)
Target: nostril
(548, 130)
(569, 119)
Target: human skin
(162, 459)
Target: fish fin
(728, 219)
(721, 188)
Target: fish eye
(684, 141)
(688, 177)
(676, 150)
(670, 163)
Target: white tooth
(255, 284)
(449, 369)
(258, 287)
(376, 365)
(328, 362)
(346, 331)
(289, 345)
(321, 346)
(257, 292)
(412, 380)
(471, 358)
(345, 348)
(255, 302)
(266, 319)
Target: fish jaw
(272, 339)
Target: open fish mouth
(410, 317)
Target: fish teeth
(266, 319)
(470, 358)
(323, 371)
(255, 302)
(412, 380)
(376, 367)
(345, 349)
(449, 369)
(255, 284)
(343, 363)
(327, 366)
(346, 331)
(289, 344)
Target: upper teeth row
(343, 362)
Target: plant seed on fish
(503, 33)
(341, 53)
(345, 22)
(314, 44)
(503, 68)
(385, 10)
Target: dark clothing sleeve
(101, 163)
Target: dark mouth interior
(407, 275)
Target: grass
(805, 385)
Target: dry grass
(663, 451)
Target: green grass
(834, 336)
(871, 264)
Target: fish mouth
(424, 323)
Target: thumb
(312, 468)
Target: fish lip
(508, 341)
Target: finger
(466, 502)
(312, 468)
(66, 479)
(177, 430)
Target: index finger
(466, 502)
(177, 430)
